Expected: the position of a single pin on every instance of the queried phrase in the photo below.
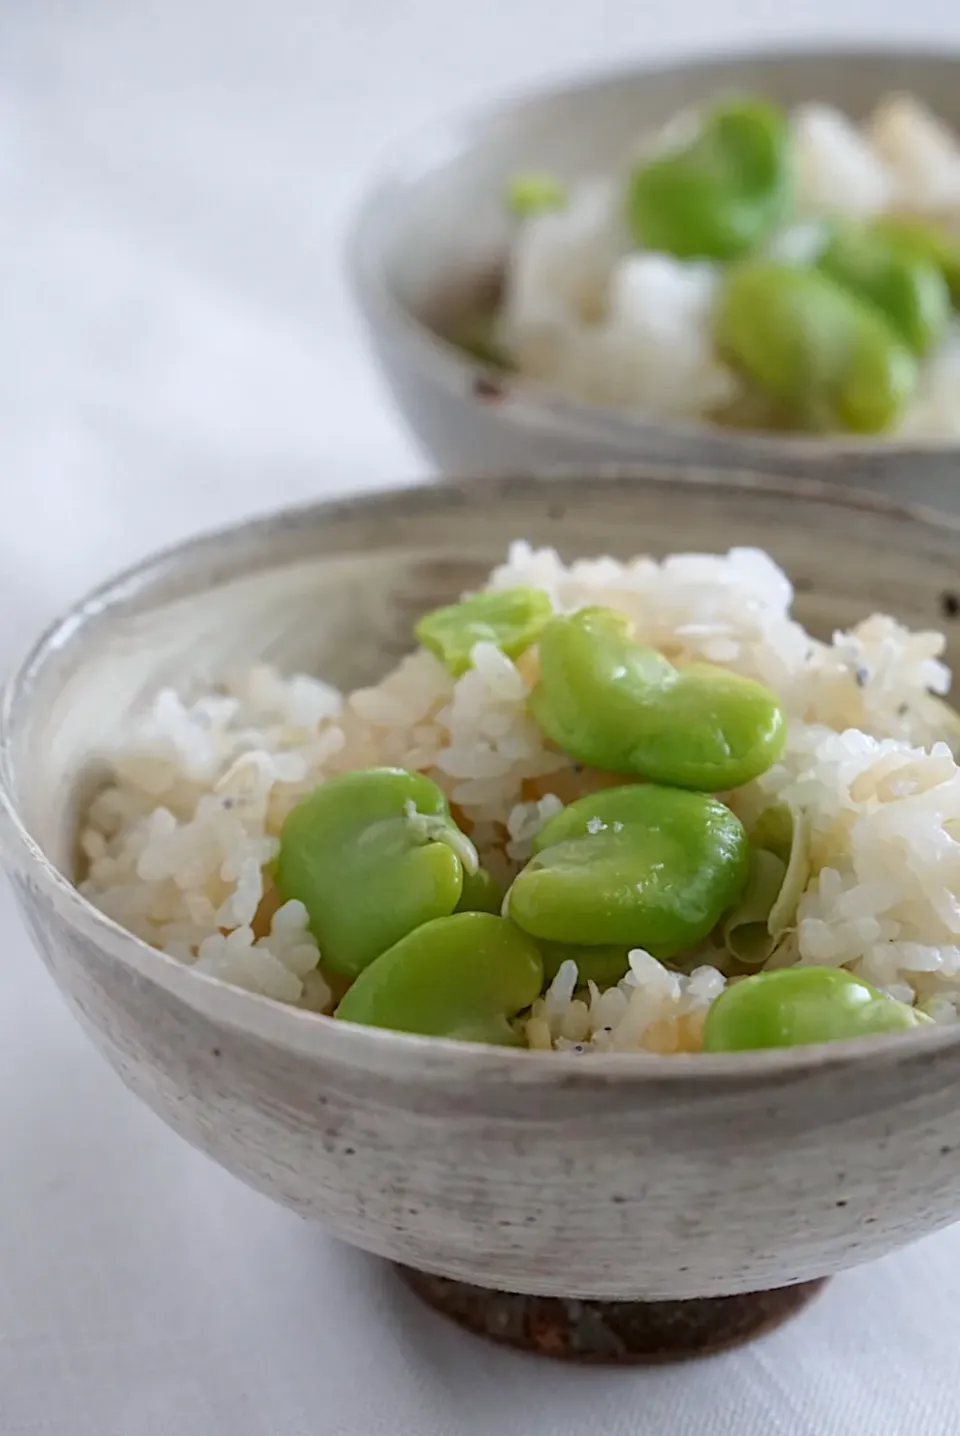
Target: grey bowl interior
(431, 236)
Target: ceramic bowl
(431, 236)
(616, 1177)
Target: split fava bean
(906, 288)
(721, 194)
(608, 701)
(511, 618)
(640, 866)
(371, 854)
(829, 360)
(796, 1006)
(463, 976)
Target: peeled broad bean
(639, 866)
(511, 618)
(603, 965)
(463, 976)
(796, 1006)
(926, 240)
(481, 893)
(825, 357)
(908, 289)
(721, 194)
(608, 701)
(371, 855)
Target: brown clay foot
(611, 1332)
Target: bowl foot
(611, 1332)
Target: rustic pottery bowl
(430, 238)
(631, 1183)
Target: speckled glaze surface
(433, 229)
(614, 1177)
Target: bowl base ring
(611, 1332)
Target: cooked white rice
(179, 843)
(587, 313)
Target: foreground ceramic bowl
(611, 1176)
(431, 236)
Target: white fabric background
(176, 347)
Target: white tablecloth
(176, 347)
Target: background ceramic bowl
(431, 236)
(613, 1176)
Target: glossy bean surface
(371, 854)
(639, 866)
(796, 1006)
(608, 701)
(463, 976)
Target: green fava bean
(796, 1006)
(827, 358)
(603, 965)
(638, 866)
(511, 618)
(925, 240)
(720, 195)
(481, 893)
(463, 976)
(607, 701)
(908, 290)
(371, 855)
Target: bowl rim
(533, 404)
(377, 1049)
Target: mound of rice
(587, 313)
(178, 845)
